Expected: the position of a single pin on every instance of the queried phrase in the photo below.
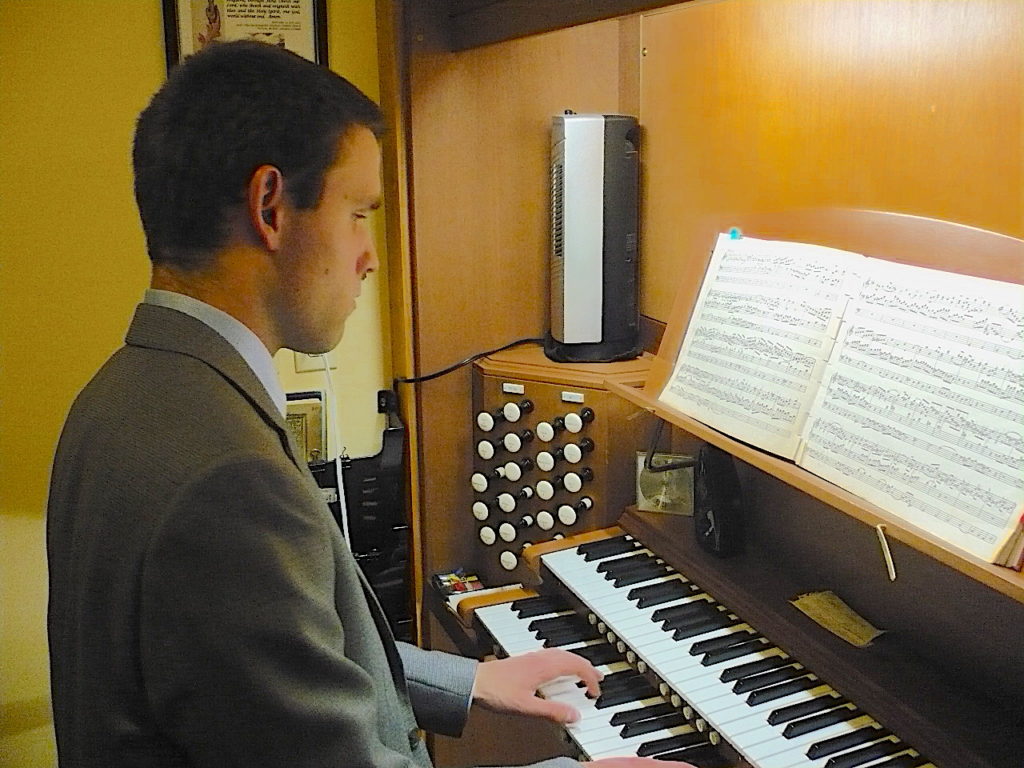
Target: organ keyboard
(687, 678)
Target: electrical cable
(332, 411)
(472, 359)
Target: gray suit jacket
(204, 609)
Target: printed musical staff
(900, 384)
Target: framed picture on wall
(298, 25)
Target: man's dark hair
(222, 113)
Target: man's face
(328, 250)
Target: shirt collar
(245, 342)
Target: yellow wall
(73, 76)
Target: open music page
(921, 408)
(759, 337)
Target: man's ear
(265, 204)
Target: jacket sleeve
(440, 686)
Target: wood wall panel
(480, 132)
(911, 106)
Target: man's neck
(231, 284)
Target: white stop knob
(545, 490)
(512, 442)
(507, 502)
(572, 452)
(573, 422)
(566, 514)
(508, 560)
(479, 482)
(545, 520)
(545, 461)
(513, 471)
(485, 421)
(485, 450)
(487, 535)
(507, 531)
(480, 510)
(545, 432)
(511, 412)
(573, 482)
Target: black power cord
(436, 374)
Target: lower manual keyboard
(629, 718)
(718, 672)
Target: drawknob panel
(550, 460)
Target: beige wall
(73, 76)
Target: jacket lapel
(167, 329)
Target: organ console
(706, 659)
(691, 675)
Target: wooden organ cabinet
(748, 109)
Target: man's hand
(636, 762)
(510, 685)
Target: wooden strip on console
(533, 555)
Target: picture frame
(298, 25)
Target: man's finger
(585, 671)
(558, 711)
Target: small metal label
(510, 388)
(572, 397)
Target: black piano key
(713, 644)
(569, 637)
(700, 756)
(700, 610)
(803, 708)
(753, 667)
(763, 680)
(735, 651)
(865, 754)
(636, 692)
(615, 679)
(670, 743)
(773, 692)
(653, 724)
(693, 629)
(598, 654)
(722, 642)
(641, 573)
(594, 550)
(656, 594)
(556, 622)
(641, 713)
(672, 611)
(579, 628)
(537, 606)
(814, 722)
(839, 743)
(624, 563)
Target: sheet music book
(903, 385)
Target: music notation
(902, 385)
